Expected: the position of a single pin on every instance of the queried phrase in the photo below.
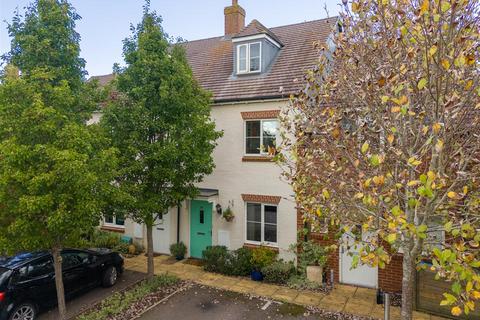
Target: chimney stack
(234, 19)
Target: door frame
(212, 204)
(341, 275)
(167, 218)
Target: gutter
(250, 100)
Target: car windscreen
(4, 277)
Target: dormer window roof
(255, 49)
(255, 30)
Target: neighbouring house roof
(212, 64)
(254, 28)
(104, 80)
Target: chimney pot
(234, 18)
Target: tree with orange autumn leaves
(385, 136)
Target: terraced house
(251, 71)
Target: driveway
(206, 303)
(88, 299)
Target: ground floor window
(261, 223)
(115, 220)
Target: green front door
(200, 227)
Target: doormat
(194, 262)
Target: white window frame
(247, 56)
(264, 152)
(114, 223)
(262, 224)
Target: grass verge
(120, 301)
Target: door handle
(201, 233)
(161, 229)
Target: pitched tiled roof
(103, 80)
(212, 63)
(255, 28)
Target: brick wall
(390, 278)
(325, 240)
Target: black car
(27, 280)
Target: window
(249, 57)
(261, 137)
(202, 216)
(261, 223)
(73, 259)
(115, 220)
(35, 269)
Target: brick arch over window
(258, 115)
(261, 198)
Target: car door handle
(201, 233)
(161, 229)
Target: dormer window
(249, 57)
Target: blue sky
(105, 23)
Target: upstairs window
(261, 137)
(249, 57)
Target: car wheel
(25, 311)
(110, 277)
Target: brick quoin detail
(261, 198)
(255, 115)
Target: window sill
(246, 73)
(113, 229)
(257, 159)
(253, 246)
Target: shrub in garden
(262, 257)
(300, 282)
(138, 247)
(105, 239)
(311, 253)
(121, 247)
(239, 262)
(216, 259)
(278, 272)
(178, 250)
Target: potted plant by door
(228, 214)
(312, 258)
(178, 250)
(261, 257)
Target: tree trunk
(57, 265)
(408, 287)
(150, 265)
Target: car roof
(20, 259)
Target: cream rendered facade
(233, 177)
